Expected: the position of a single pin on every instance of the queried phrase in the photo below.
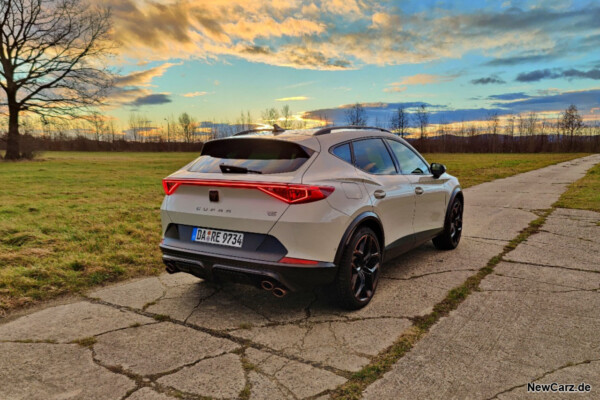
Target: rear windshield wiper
(234, 169)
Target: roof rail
(327, 130)
(276, 129)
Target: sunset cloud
(418, 79)
(143, 78)
(295, 98)
(194, 94)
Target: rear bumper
(213, 267)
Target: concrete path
(176, 336)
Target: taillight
(290, 260)
(170, 186)
(289, 193)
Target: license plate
(213, 236)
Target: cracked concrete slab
(69, 322)
(288, 376)
(493, 222)
(133, 294)
(158, 348)
(345, 345)
(180, 301)
(527, 322)
(219, 377)
(56, 371)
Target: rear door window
(372, 156)
(265, 156)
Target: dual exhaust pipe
(270, 287)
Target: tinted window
(372, 156)
(410, 163)
(269, 156)
(343, 152)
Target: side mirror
(437, 169)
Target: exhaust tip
(279, 292)
(267, 285)
(171, 268)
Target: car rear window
(267, 156)
(343, 152)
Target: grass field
(583, 194)
(70, 221)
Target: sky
(464, 59)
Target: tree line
(525, 132)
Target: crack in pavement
(486, 238)
(427, 274)
(575, 288)
(567, 236)
(551, 266)
(568, 365)
(200, 301)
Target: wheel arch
(456, 194)
(368, 219)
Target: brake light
(289, 260)
(289, 193)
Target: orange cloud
(143, 78)
(268, 27)
(195, 94)
(295, 98)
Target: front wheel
(358, 273)
(450, 237)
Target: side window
(343, 152)
(409, 162)
(372, 156)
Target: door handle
(379, 194)
(419, 190)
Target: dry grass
(583, 194)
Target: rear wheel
(450, 237)
(358, 270)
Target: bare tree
(531, 123)
(399, 121)
(570, 123)
(49, 52)
(187, 126)
(422, 120)
(134, 126)
(356, 115)
(286, 114)
(111, 130)
(493, 128)
(270, 116)
(98, 123)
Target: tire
(450, 237)
(359, 270)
